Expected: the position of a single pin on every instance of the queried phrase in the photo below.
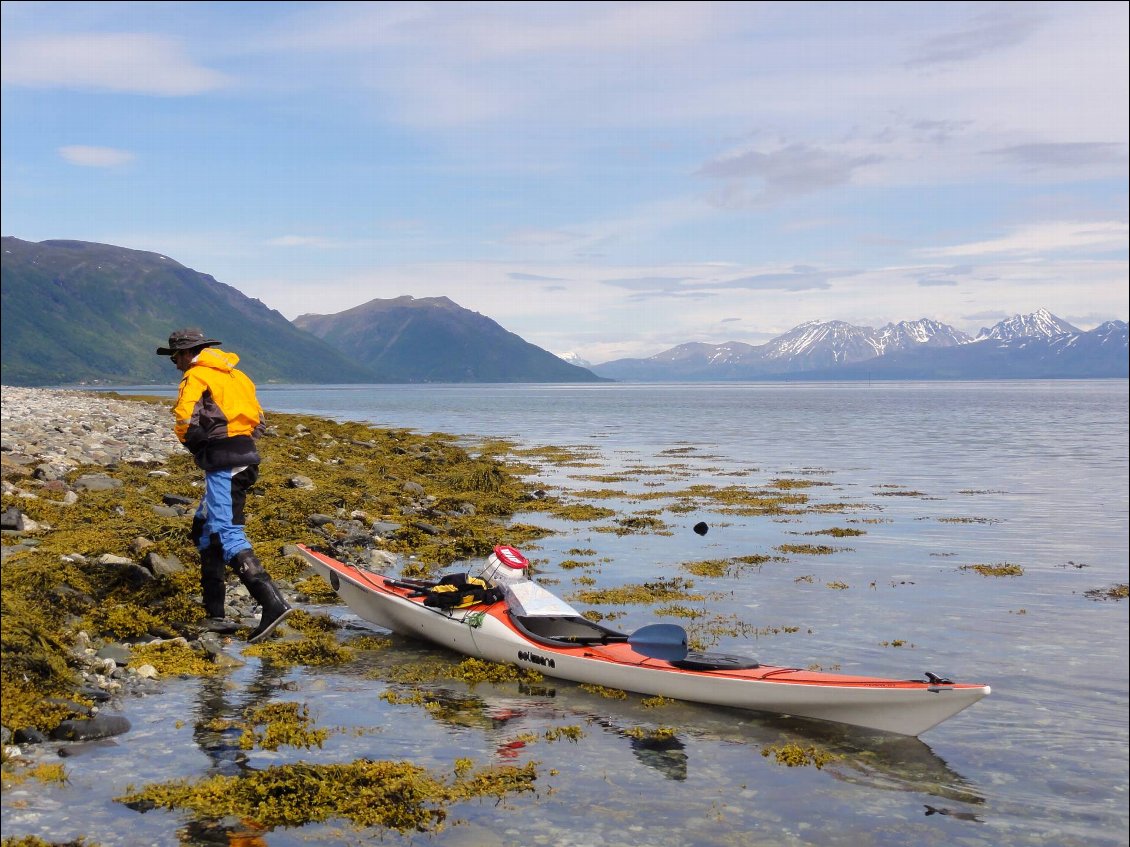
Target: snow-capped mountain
(816, 344)
(1039, 324)
(574, 359)
(1038, 345)
(910, 335)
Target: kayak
(502, 616)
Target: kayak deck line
(624, 655)
(533, 629)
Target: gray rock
(29, 735)
(162, 565)
(18, 458)
(15, 521)
(72, 750)
(96, 482)
(111, 559)
(99, 726)
(133, 573)
(211, 643)
(426, 528)
(119, 653)
(225, 661)
(50, 472)
(357, 539)
(91, 692)
(139, 545)
(381, 559)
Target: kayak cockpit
(577, 631)
(564, 630)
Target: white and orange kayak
(520, 623)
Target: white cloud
(314, 241)
(488, 30)
(95, 157)
(794, 169)
(542, 237)
(1000, 28)
(138, 63)
(1043, 238)
(593, 28)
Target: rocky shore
(97, 502)
(47, 436)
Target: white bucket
(505, 566)
(508, 569)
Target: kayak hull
(904, 707)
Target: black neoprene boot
(266, 593)
(212, 588)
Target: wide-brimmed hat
(186, 339)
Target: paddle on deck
(665, 641)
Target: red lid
(511, 557)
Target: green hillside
(432, 339)
(79, 312)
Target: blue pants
(221, 510)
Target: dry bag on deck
(458, 591)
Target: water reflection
(220, 708)
(672, 739)
(220, 834)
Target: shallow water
(1032, 474)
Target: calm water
(938, 475)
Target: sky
(604, 179)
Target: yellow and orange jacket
(218, 416)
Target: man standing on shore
(218, 418)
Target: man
(218, 418)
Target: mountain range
(77, 312)
(81, 312)
(1035, 346)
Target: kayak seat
(564, 630)
(715, 662)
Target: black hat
(186, 339)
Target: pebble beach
(65, 429)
